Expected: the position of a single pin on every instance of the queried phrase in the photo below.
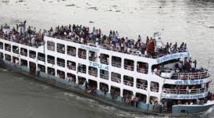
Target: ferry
(148, 77)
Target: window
(127, 80)
(104, 87)
(141, 84)
(60, 74)
(24, 62)
(81, 68)
(15, 49)
(60, 48)
(82, 53)
(41, 57)
(71, 51)
(154, 87)
(92, 56)
(51, 45)
(51, 71)
(81, 80)
(129, 64)
(1, 55)
(41, 68)
(92, 71)
(142, 67)
(24, 52)
(104, 74)
(8, 47)
(104, 59)
(71, 77)
(116, 61)
(32, 54)
(60, 62)
(115, 77)
(51, 59)
(7, 57)
(1, 45)
(71, 65)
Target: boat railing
(23, 53)
(41, 58)
(71, 67)
(32, 56)
(93, 73)
(72, 53)
(154, 89)
(141, 86)
(104, 61)
(8, 48)
(51, 61)
(83, 56)
(115, 79)
(16, 51)
(128, 82)
(62, 64)
(116, 64)
(129, 67)
(142, 70)
(190, 75)
(184, 75)
(92, 58)
(61, 50)
(51, 47)
(104, 76)
(184, 91)
(82, 70)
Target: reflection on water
(189, 21)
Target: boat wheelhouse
(146, 75)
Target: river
(190, 21)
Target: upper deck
(153, 48)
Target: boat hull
(80, 90)
(191, 109)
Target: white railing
(72, 53)
(51, 61)
(104, 61)
(83, 56)
(142, 70)
(115, 79)
(32, 56)
(93, 73)
(62, 64)
(16, 51)
(141, 86)
(41, 58)
(184, 91)
(128, 67)
(104, 76)
(71, 67)
(191, 75)
(82, 70)
(128, 82)
(116, 64)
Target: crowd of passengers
(81, 34)
(185, 89)
(186, 69)
(29, 37)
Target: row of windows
(140, 67)
(115, 77)
(104, 58)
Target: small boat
(148, 77)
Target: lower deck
(112, 97)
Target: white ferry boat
(133, 75)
